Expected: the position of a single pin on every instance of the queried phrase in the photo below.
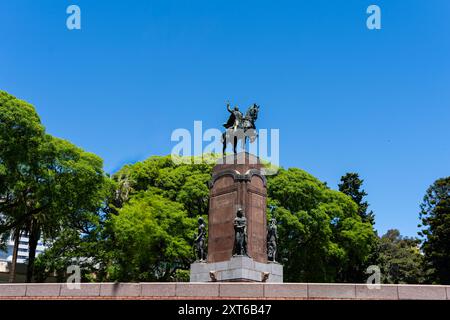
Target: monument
(237, 223)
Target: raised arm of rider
(228, 108)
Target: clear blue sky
(344, 98)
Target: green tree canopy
(147, 234)
(146, 230)
(47, 183)
(400, 259)
(162, 202)
(184, 183)
(321, 234)
(435, 216)
(138, 225)
(152, 235)
(21, 137)
(351, 185)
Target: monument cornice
(237, 176)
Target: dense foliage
(435, 217)
(146, 230)
(321, 234)
(351, 185)
(155, 222)
(139, 223)
(46, 184)
(400, 259)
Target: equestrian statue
(239, 127)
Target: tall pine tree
(351, 185)
(435, 216)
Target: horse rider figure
(240, 128)
(235, 119)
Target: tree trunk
(12, 272)
(32, 244)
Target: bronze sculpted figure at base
(239, 127)
(272, 238)
(240, 229)
(200, 241)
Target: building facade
(22, 254)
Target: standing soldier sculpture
(200, 241)
(272, 238)
(240, 229)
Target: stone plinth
(222, 290)
(238, 268)
(237, 182)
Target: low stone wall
(211, 291)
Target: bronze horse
(242, 129)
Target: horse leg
(224, 143)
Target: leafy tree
(152, 235)
(179, 190)
(67, 192)
(194, 194)
(183, 183)
(69, 248)
(351, 185)
(321, 234)
(48, 184)
(435, 216)
(145, 231)
(138, 225)
(400, 259)
(21, 135)
(91, 249)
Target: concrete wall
(222, 291)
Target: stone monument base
(237, 269)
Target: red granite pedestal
(237, 182)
